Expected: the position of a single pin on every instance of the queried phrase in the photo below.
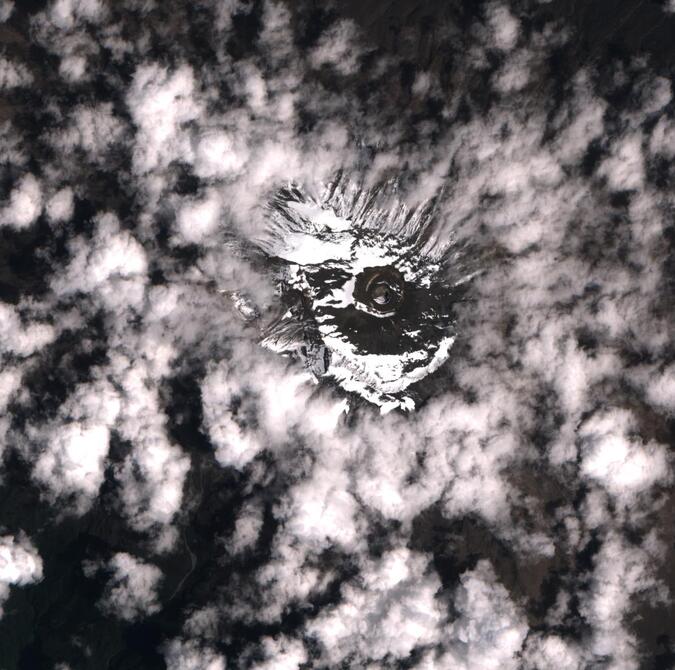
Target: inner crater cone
(380, 289)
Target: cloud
(64, 29)
(73, 461)
(23, 340)
(93, 130)
(13, 146)
(131, 589)
(337, 47)
(152, 476)
(112, 269)
(13, 75)
(112, 266)
(114, 253)
(621, 573)
(662, 139)
(235, 444)
(389, 612)
(6, 9)
(579, 121)
(24, 204)
(72, 452)
(290, 577)
(199, 219)
(247, 529)
(203, 623)
(65, 13)
(489, 630)
(551, 651)
(188, 655)
(161, 102)
(20, 564)
(622, 463)
(661, 389)
(282, 654)
(244, 413)
(504, 27)
(10, 383)
(624, 169)
(60, 206)
(220, 153)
